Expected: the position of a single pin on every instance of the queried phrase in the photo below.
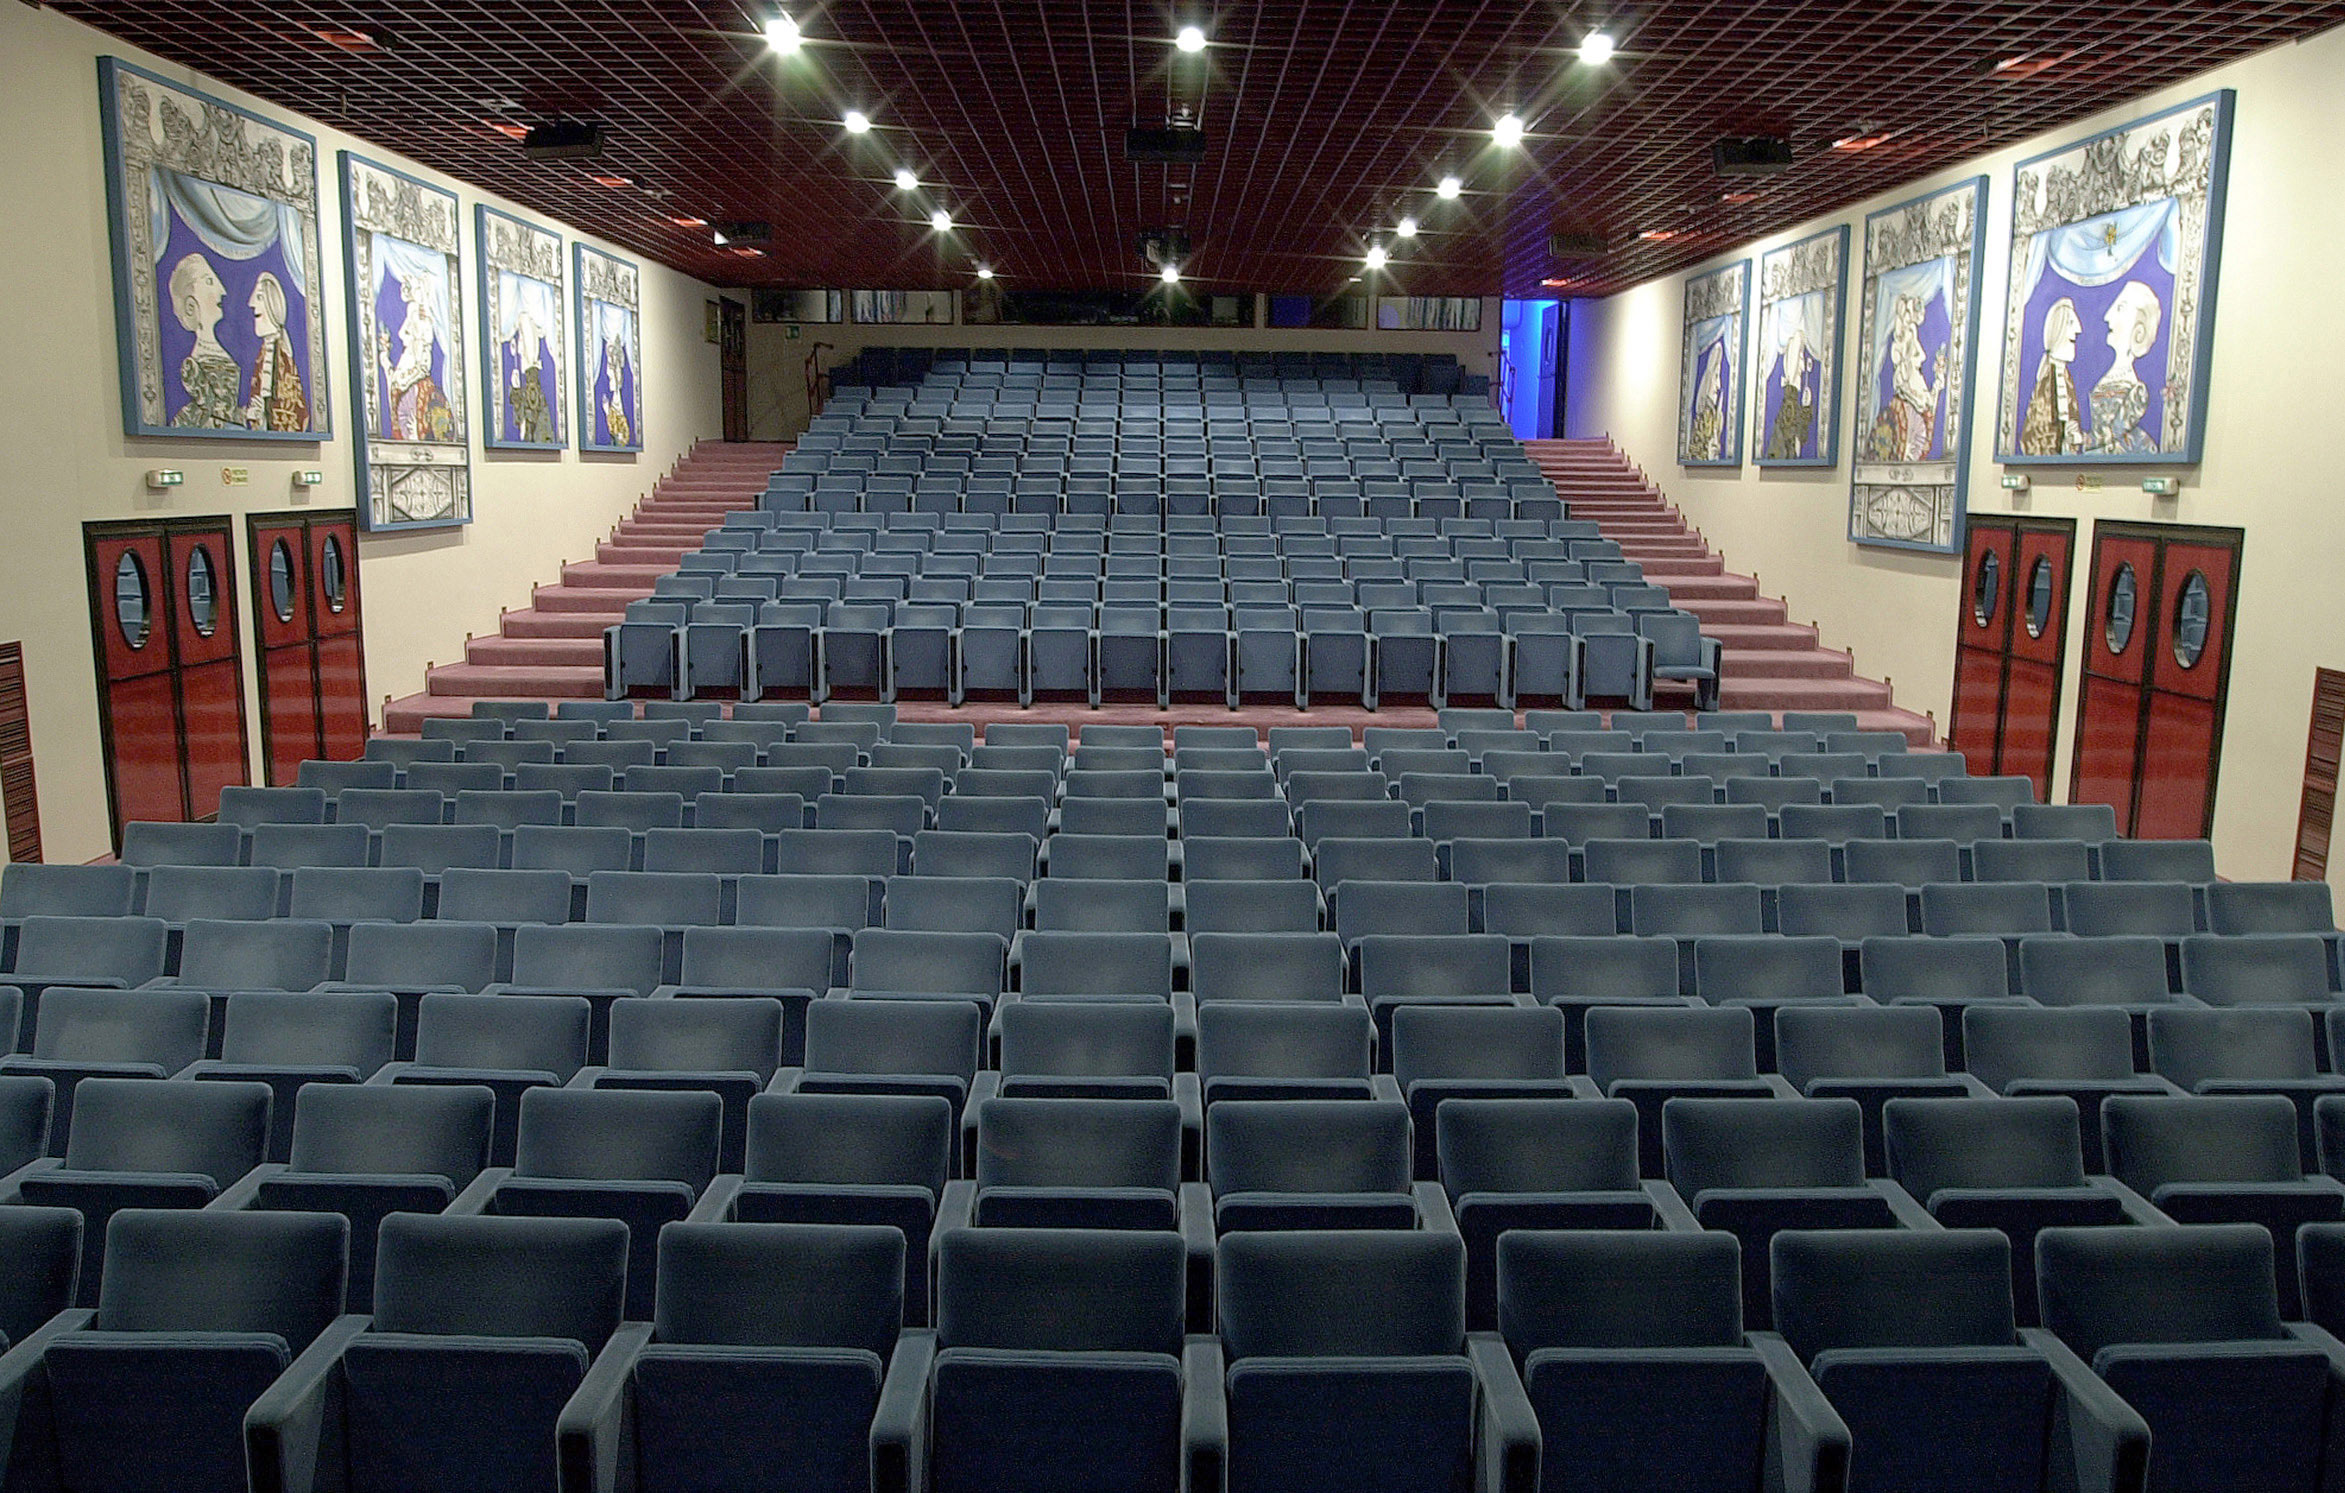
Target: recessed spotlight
(1190, 39)
(1865, 138)
(1597, 48)
(1376, 258)
(1658, 235)
(689, 222)
(857, 122)
(1449, 189)
(1508, 132)
(905, 180)
(1170, 274)
(1405, 228)
(941, 221)
(985, 272)
(781, 34)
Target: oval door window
(281, 580)
(1987, 590)
(331, 576)
(131, 612)
(203, 606)
(2119, 630)
(2190, 620)
(2039, 597)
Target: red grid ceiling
(1327, 120)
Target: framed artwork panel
(1803, 296)
(524, 338)
(403, 246)
(213, 216)
(610, 351)
(2109, 329)
(1917, 347)
(1710, 369)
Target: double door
(2011, 645)
(305, 615)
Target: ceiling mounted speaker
(1171, 144)
(563, 140)
(1576, 246)
(1750, 155)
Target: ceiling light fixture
(985, 272)
(857, 122)
(1658, 235)
(1190, 39)
(1597, 48)
(1507, 133)
(781, 34)
(905, 180)
(1170, 274)
(1449, 189)
(941, 221)
(1405, 228)
(1376, 258)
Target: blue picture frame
(607, 294)
(1712, 357)
(524, 405)
(1917, 355)
(2109, 324)
(403, 256)
(236, 320)
(1802, 291)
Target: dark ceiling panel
(1327, 120)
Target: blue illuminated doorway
(1530, 366)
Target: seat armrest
(1780, 1086)
(899, 1426)
(2321, 1338)
(716, 1200)
(1189, 1095)
(475, 1197)
(957, 1207)
(284, 1431)
(23, 1360)
(1433, 1211)
(1204, 1417)
(1583, 1087)
(1507, 1435)
(1807, 1441)
(12, 1185)
(2106, 1441)
(1909, 1213)
(2138, 1209)
(1194, 1213)
(1383, 1087)
(593, 1432)
(1670, 1208)
(985, 1084)
(245, 1190)
(588, 1076)
(786, 1080)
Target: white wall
(777, 361)
(2269, 465)
(68, 461)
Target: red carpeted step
(587, 598)
(1761, 610)
(1782, 637)
(536, 652)
(550, 681)
(1787, 663)
(1687, 589)
(665, 556)
(556, 624)
(594, 575)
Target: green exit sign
(790, 332)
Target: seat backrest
(343, 894)
(895, 959)
(483, 1275)
(1284, 1039)
(1665, 1043)
(2272, 1043)
(960, 904)
(542, 1034)
(1079, 1143)
(1537, 1145)
(42, 1248)
(1060, 1290)
(1438, 964)
(739, 1034)
(153, 843)
(162, 1027)
(780, 1285)
(2250, 970)
(851, 1140)
(1286, 905)
(2061, 970)
(190, 1270)
(1096, 964)
(1608, 965)
(307, 1029)
(2004, 1043)
(2194, 1283)
(1365, 1293)
(216, 1130)
(1892, 1288)
(1767, 967)
(1746, 1143)
(1604, 1288)
(595, 956)
(1448, 1042)
(91, 948)
(798, 901)
(32, 889)
(633, 1135)
(505, 897)
(1307, 1145)
(178, 894)
(1976, 1143)
(393, 1129)
(893, 1036)
(1813, 1042)
(1998, 907)
(2107, 908)
(2155, 1139)
(1929, 969)
(1692, 911)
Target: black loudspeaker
(563, 140)
(1171, 145)
(1752, 155)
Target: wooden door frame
(162, 613)
(2014, 610)
(732, 324)
(2153, 590)
(305, 519)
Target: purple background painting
(1771, 401)
(391, 320)
(1939, 364)
(509, 373)
(2093, 356)
(602, 393)
(236, 333)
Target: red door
(2157, 669)
(306, 614)
(2010, 646)
(170, 666)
